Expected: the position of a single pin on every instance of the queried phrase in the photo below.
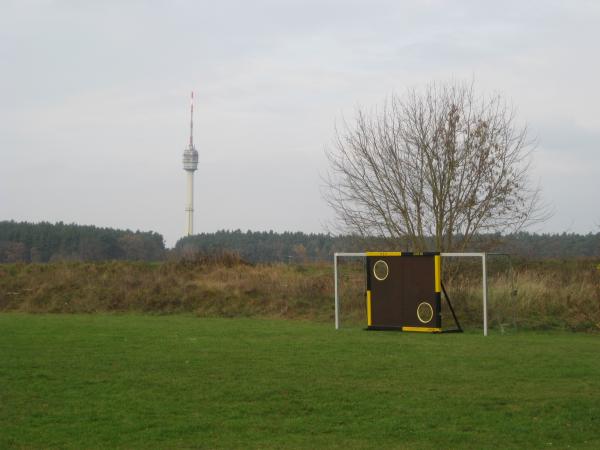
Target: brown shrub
(563, 294)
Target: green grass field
(135, 381)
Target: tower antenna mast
(192, 119)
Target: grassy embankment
(138, 381)
(538, 295)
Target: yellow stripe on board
(438, 273)
(422, 329)
(369, 320)
(384, 253)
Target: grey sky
(94, 101)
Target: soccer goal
(403, 290)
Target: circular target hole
(380, 270)
(425, 312)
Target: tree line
(46, 242)
(269, 246)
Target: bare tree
(440, 165)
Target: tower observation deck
(190, 165)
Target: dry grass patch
(550, 294)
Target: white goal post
(483, 257)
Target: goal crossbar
(483, 257)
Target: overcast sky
(94, 101)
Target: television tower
(190, 165)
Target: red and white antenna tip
(192, 120)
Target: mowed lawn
(135, 381)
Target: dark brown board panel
(410, 281)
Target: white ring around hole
(429, 310)
(381, 263)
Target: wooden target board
(404, 291)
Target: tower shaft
(189, 206)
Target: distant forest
(46, 242)
(270, 246)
